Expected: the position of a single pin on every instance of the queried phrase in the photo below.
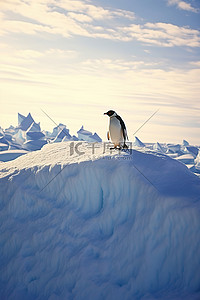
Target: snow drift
(77, 223)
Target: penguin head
(110, 113)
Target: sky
(77, 59)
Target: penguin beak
(105, 113)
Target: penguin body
(117, 130)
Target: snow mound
(80, 223)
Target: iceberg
(174, 148)
(3, 140)
(62, 135)
(19, 137)
(34, 127)
(192, 150)
(197, 161)
(34, 135)
(185, 143)
(138, 143)
(57, 129)
(85, 135)
(26, 122)
(20, 118)
(157, 147)
(33, 145)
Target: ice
(8, 137)
(3, 146)
(11, 154)
(20, 118)
(31, 135)
(84, 131)
(197, 161)
(85, 135)
(3, 140)
(98, 229)
(19, 137)
(96, 137)
(185, 143)
(157, 146)
(138, 143)
(186, 158)
(35, 127)
(33, 145)
(63, 134)
(57, 129)
(73, 138)
(1, 132)
(26, 122)
(174, 148)
(193, 150)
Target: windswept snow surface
(77, 223)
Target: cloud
(93, 11)
(115, 65)
(28, 57)
(163, 34)
(183, 5)
(68, 18)
(80, 17)
(195, 63)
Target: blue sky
(77, 59)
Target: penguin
(117, 130)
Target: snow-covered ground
(78, 223)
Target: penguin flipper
(108, 135)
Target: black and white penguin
(117, 130)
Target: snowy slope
(99, 230)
